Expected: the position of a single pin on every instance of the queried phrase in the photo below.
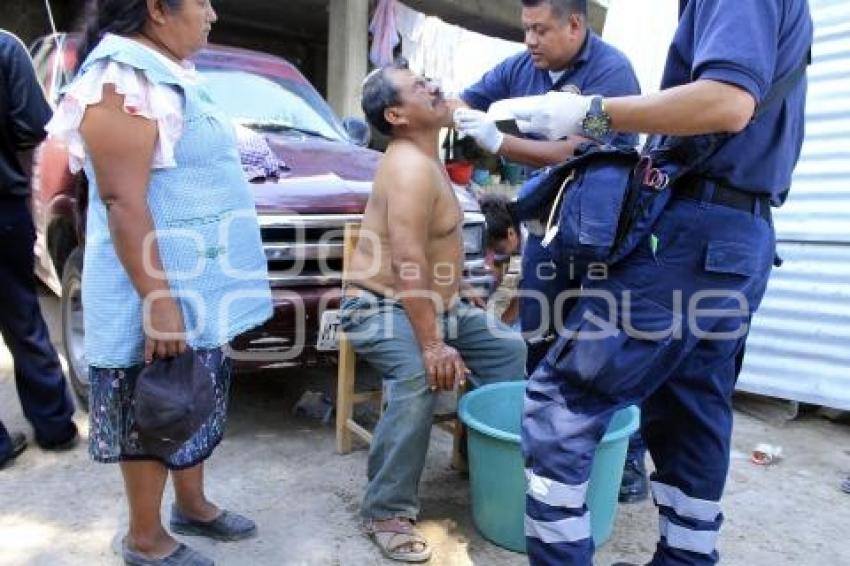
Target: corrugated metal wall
(799, 347)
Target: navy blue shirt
(750, 44)
(23, 113)
(598, 69)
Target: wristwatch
(597, 122)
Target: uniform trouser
(380, 332)
(44, 394)
(663, 331)
(548, 292)
(541, 284)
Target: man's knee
(506, 360)
(516, 354)
(414, 389)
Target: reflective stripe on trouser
(686, 523)
(571, 529)
(556, 510)
(686, 538)
(644, 348)
(554, 493)
(557, 521)
(684, 506)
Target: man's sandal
(397, 538)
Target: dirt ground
(62, 509)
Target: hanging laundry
(384, 33)
(454, 56)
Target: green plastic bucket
(497, 471)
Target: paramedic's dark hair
(498, 217)
(380, 93)
(121, 17)
(561, 8)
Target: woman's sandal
(397, 539)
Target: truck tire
(71, 306)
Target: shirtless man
(404, 309)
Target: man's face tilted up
(422, 104)
(553, 39)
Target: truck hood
(310, 156)
(324, 177)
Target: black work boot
(635, 485)
(68, 443)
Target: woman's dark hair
(121, 17)
(498, 217)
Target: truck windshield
(271, 104)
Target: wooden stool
(347, 398)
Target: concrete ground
(62, 509)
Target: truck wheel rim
(74, 333)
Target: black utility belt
(694, 188)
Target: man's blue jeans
(380, 332)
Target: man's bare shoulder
(405, 168)
(404, 158)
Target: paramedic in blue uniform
(563, 55)
(713, 246)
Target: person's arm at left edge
(29, 112)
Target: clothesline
(454, 56)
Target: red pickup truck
(325, 185)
